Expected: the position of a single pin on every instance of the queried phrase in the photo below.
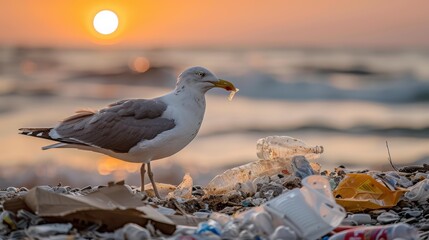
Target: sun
(105, 22)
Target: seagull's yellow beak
(225, 85)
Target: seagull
(139, 130)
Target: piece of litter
(184, 189)
(132, 231)
(280, 147)
(111, 207)
(46, 230)
(231, 95)
(163, 189)
(360, 192)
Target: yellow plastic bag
(359, 191)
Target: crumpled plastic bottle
(227, 181)
(401, 231)
(281, 147)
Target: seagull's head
(202, 79)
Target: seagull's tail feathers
(47, 133)
(55, 145)
(37, 132)
(42, 133)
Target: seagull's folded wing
(118, 127)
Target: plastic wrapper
(392, 179)
(419, 192)
(46, 230)
(283, 232)
(29, 218)
(388, 217)
(360, 218)
(221, 218)
(131, 231)
(8, 219)
(163, 189)
(184, 189)
(359, 192)
(301, 167)
(209, 226)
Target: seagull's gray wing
(118, 127)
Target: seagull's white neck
(188, 97)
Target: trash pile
(283, 195)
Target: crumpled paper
(111, 207)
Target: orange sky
(169, 23)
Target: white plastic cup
(310, 211)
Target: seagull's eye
(201, 74)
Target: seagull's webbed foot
(150, 174)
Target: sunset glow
(208, 23)
(109, 165)
(105, 22)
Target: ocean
(350, 101)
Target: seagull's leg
(150, 174)
(142, 172)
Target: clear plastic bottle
(388, 232)
(228, 180)
(280, 147)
